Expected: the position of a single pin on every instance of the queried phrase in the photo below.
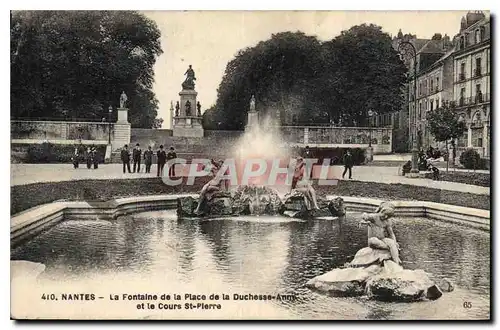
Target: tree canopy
(445, 124)
(75, 64)
(307, 82)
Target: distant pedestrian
(148, 159)
(75, 158)
(125, 156)
(95, 158)
(171, 155)
(348, 163)
(136, 156)
(161, 160)
(435, 172)
(88, 158)
(306, 153)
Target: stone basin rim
(33, 220)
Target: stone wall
(59, 130)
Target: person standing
(148, 159)
(125, 156)
(88, 157)
(95, 159)
(171, 155)
(348, 163)
(75, 157)
(136, 156)
(161, 159)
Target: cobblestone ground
(31, 173)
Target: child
(380, 233)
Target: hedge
(59, 153)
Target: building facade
(455, 72)
(434, 88)
(472, 66)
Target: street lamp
(110, 110)
(408, 51)
(370, 114)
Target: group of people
(90, 157)
(425, 163)
(162, 158)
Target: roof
(433, 47)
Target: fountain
(259, 195)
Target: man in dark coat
(95, 159)
(171, 155)
(161, 159)
(148, 159)
(125, 155)
(75, 159)
(348, 163)
(88, 158)
(136, 156)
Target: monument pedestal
(186, 123)
(252, 120)
(121, 134)
(188, 126)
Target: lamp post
(370, 148)
(408, 51)
(370, 114)
(110, 110)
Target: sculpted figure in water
(215, 185)
(303, 185)
(380, 233)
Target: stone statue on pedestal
(252, 103)
(188, 108)
(123, 99)
(177, 107)
(198, 106)
(190, 78)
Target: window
(432, 105)
(462, 71)
(478, 67)
(437, 103)
(477, 36)
(462, 96)
(479, 94)
(462, 42)
(480, 142)
(432, 86)
(482, 33)
(437, 84)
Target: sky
(208, 40)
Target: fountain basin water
(154, 252)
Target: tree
(445, 125)
(282, 72)
(371, 73)
(300, 77)
(74, 64)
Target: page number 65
(467, 304)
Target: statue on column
(177, 107)
(198, 106)
(123, 99)
(190, 78)
(188, 108)
(252, 103)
